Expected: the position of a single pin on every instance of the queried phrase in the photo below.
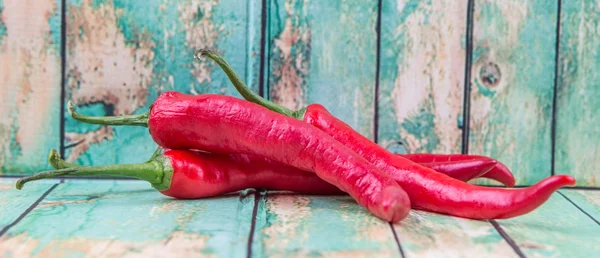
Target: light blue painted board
(128, 217)
(555, 229)
(425, 234)
(589, 201)
(512, 85)
(578, 90)
(324, 52)
(122, 54)
(30, 77)
(292, 225)
(14, 202)
(422, 75)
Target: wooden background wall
(515, 80)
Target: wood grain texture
(29, 84)
(422, 74)
(555, 229)
(512, 85)
(424, 234)
(291, 225)
(325, 52)
(577, 131)
(14, 202)
(589, 201)
(122, 54)
(129, 219)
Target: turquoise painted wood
(13, 203)
(422, 74)
(324, 52)
(425, 234)
(29, 84)
(555, 229)
(512, 85)
(292, 225)
(122, 54)
(589, 201)
(128, 218)
(577, 132)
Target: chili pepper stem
(243, 89)
(136, 120)
(58, 163)
(156, 171)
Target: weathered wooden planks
(14, 202)
(577, 131)
(555, 229)
(589, 201)
(128, 218)
(422, 74)
(324, 52)
(122, 54)
(291, 225)
(30, 75)
(425, 234)
(512, 85)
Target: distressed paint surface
(324, 52)
(129, 219)
(422, 74)
(122, 54)
(589, 201)
(512, 85)
(29, 84)
(555, 229)
(577, 130)
(292, 225)
(13, 202)
(424, 234)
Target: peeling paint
(290, 65)
(103, 67)
(425, 47)
(29, 76)
(200, 32)
(511, 41)
(178, 244)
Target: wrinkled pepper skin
(222, 124)
(499, 172)
(437, 192)
(200, 174)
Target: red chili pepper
(499, 172)
(426, 188)
(223, 124)
(188, 175)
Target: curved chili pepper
(189, 175)
(223, 124)
(499, 172)
(463, 170)
(427, 189)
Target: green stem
(136, 120)
(157, 171)
(58, 163)
(243, 89)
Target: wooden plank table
(126, 218)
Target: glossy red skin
(436, 192)
(202, 174)
(198, 175)
(499, 172)
(223, 124)
(463, 170)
